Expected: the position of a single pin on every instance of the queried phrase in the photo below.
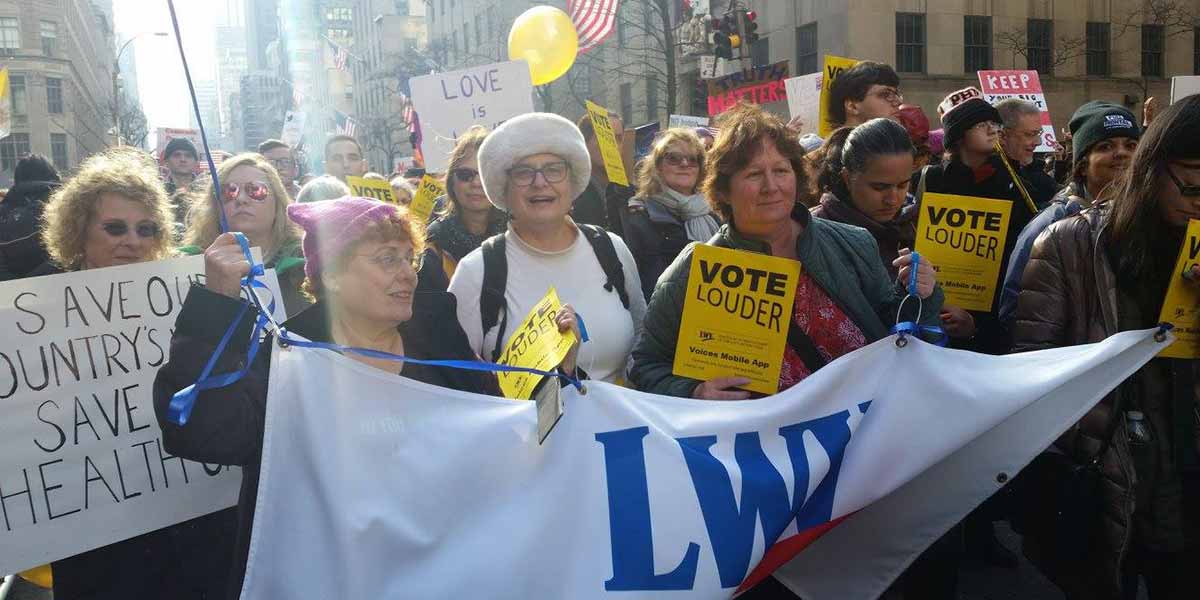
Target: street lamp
(116, 87)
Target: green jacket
(842, 259)
(288, 263)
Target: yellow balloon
(544, 37)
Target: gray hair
(400, 182)
(1012, 109)
(325, 187)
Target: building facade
(264, 102)
(60, 56)
(231, 66)
(390, 46)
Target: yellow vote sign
(607, 139)
(834, 65)
(427, 193)
(736, 317)
(1181, 307)
(536, 344)
(371, 188)
(964, 238)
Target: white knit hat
(526, 135)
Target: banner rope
(903, 329)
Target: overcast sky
(161, 84)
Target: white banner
(293, 128)
(1183, 86)
(376, 486)
(82, 463)
(449, 103)
(804, 100)
(686, 121)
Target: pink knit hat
(332, 225)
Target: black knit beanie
(180, 143)
(1097, 121)
(966, 115)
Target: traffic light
(725, 37)
(750, 26)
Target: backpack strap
(606, 253)
(492, 305)
(805, 348)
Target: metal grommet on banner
(901, 340)
(1160, 336)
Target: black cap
(180, 143)
(966, 115)
(1097, 121)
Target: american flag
(340, 55)
(343, 125)
(408, 115)
(593, 19)
(297, 97)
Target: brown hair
(204, 224)
(398, 226)
(648, 181)
(744, 128)
(124, 171)
(465, 147)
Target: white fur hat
(526, 135)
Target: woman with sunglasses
(255, 203)
(1089, 277)
(115, 211)
(669, 212)
(362, 258)
(466, 220)
(534, 166)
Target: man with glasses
(1020, 136)
(602, 202)
(866, 91)
(343, 157)
(281, 157)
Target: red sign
(758, 85)
(999, 85)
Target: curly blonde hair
(204, 223)
(648, 180)
(123, 171)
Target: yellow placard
(371, 188)
(963, 237)
(834, 65)
(609, 148)
(536, 344)
(427, 193)
(736, 316)
(1181, 307)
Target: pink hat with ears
(330, 226)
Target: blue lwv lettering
(731, 528)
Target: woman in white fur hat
(533, 167)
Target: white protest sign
(449, 103)
(1001, 85)
(712, 67)
(82, 463)
(1183, 86)
(293, 128)
(804, 100)
(686, 121)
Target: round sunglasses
(255, 190)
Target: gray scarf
(693, 211)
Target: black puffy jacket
(21, 249)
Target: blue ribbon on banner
(903, 329)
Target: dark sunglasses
(676, 159)
(1190, 191)
(121, 228)
(256, 190)
(464, 175)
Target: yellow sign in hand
(536, 344)
(1181, 307)
(834, 65)
(736, 316)
(964, 236)
(607, 139)
(371, 188)
(427, 193)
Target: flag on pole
(593, 20)
(5, 104)
(341, 56)
(343, 124)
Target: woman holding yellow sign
(1117, 267)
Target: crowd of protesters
(529, 207)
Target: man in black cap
(180, 157)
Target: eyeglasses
(282, 163)
(390, 262)
(121, 229)
(890, 95)
(255, 190)
(676, 159)
(1190, 191)
(554, 172)
(464, 175)
(987, 126)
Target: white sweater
(577, 276)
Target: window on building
(1196, 51)
(806, 49)
(10, 35)
(339, 13)
(54, 97)
(492, 23)
(58, 150)
(479, 29)
(49, 37)
(466, 31)
(760, 52)
(627, 102)
(977, 43)
(651, 99)
(402, 7)
(621, 32)
(1039, 37)
(13, 148)
(1099, 41)
(1153, 43)
(583, 79)
(338, 33)
(20, 99)
(910, 42)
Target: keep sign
(449, 103)
(964, 238)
